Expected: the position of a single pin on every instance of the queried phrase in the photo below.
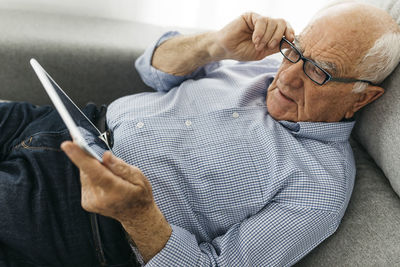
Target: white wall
(206, 14)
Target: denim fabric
(41, 220)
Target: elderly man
(229, 164)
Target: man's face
(293, 96)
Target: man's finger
(259, 29)
(289, 33)
(94, 172)
(271, 27)
(122, 169)
(278, 34)
(79, 157)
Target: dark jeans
(42, 222)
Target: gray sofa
(92, 60)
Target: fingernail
(257, 40)
(272, 44)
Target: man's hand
(121, 191)
(253, 37)
(114, 188)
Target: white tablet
(82, 130)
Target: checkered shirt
(238, 187)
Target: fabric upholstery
(369, 234)
(377, 127)
(92, 59)
(89, 58)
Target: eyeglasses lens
(291, 54)
(311, 70)
(314, 72)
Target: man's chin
(281, 116)
(278, 114)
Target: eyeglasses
(310, 68)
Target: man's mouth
(284, 96)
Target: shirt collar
(322, 131)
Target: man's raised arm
(249, 37)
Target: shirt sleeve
(157, 79)
(279, 235)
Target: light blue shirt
(238, 187)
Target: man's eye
(288, 53)
(318, 71)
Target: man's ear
(370, 94)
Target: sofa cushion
(369, 233)
(90, 58)
(378, 128)
(378, 125)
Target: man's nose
(293, 75)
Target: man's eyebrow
(328, 66)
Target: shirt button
(188, 123)
(235, 115)
(140, 124)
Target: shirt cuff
(181, 249)
(159, 80)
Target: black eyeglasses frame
(328, 78)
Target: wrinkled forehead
(350, 25)
(331, 67)
(335, 43)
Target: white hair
(379, 61)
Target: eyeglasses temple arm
(349, 80)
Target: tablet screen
(82, 130)
(88, 131)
